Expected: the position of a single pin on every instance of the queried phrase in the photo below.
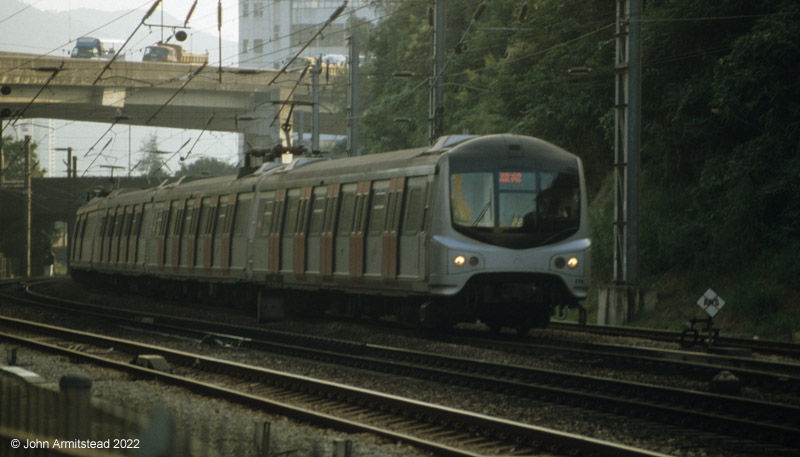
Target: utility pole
(436, 91)
(316, 69)
(28, 198)
(352, 95)
(2, 157)
(69, 159)
(624, 297)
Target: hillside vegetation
(720, 186)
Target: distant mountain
(42, 32)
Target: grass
(762, 299)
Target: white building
(271, 31)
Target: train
(490, 229)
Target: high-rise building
(271, 31)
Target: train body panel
(486, 228)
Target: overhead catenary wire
(147, 15)
(311, 40)
(188, 80)
(49, 80)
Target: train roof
(315, 171)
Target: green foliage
(720, 192)
(12, 233)
(152, 164)
(206, 167)
(14, 152)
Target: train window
(377, 216)
(330, 212)
(162, 218)
(187, 219)
(175, 221)
(347, 210)
(109, 225)
(118, 221)
(415, 205)
(211, 221)
(302, 212)
(243, 214)
(222, 214)
(292, 205)
(126, 228)
(269, 209)
(205, 208)
(231, 214)
(317, 210)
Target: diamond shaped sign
(711, 302)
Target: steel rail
(484, 429)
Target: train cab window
(346, 213)
(317, 210)
(377, 215)
(517, 202)
(292, 210)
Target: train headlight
(460, 260)
(572, 262)
(561, 262)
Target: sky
(203, 18)
(123, 144)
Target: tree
(12, 233)
(14, 151)
(206, 167)
(151, 164)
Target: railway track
(776, 376)
(764, 346)
(761, 423)
(444, 431)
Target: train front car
(511, 238)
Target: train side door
(289, 230)
(264, 217)
(162, 223)
(360, 213)
(227, 229)
(344, 228)
(126, 236)
(208, 232)
(301, 232)
(411, 233)
(115, 234)
(105, 256)
(97, 249)
(328, 230)
(191, 238)
(373, 259)
(176, 228)
(275, 232)
(314, 232)
(389, 238)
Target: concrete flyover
(154, 93)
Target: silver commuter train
(490, 228)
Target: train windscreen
(515, 203)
